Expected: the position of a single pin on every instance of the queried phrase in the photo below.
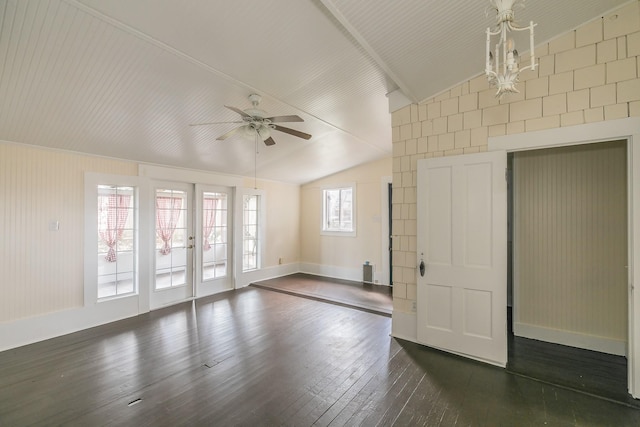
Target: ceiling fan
(255, 123)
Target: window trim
(261, 228)
(340, 233)
(141, 258)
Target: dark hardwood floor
(256, 357)
(591, 372)
(364, 296)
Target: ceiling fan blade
(292, 132)
(269, 141)
(239, 111)
(281, 119)
(213, 123)
(227, 135)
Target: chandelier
(503, 67)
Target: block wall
(587, 75)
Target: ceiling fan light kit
(255, 124)
(503, 68)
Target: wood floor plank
(257, 357)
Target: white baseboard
(249, 277)
(404, 326)
(33, 329)
(332, 271)
(572, 339)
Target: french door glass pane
(116, 241)
(171, 238)
(214, 235)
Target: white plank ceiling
(125, 78)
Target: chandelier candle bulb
(532, 44)
(487, 68)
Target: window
(214, 235)
(250, 232)
(338, 210)
(116, 241)
(171, 238)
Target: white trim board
(246, 278)
(334, 272)
(627, 129)
(385, 268)
(189, 176)
(404, 326)
(33, 329)
(572, 339)
(570, 135)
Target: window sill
(116, 297)
(338, 233)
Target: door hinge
(506, 174)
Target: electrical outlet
(280, 261)
(414, 306)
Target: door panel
(173, 278)
(462, 240)
(214, 254)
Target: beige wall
(41, 271)
(345, 255)
(282, 234)
(586, 75)
(570, 246)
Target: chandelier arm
(528, 67)
(518, 28)
(496, 32)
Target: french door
(193, 254)
(462, 211)
(214, 237)
(174, 244)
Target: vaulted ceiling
(126, 78)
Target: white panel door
(462, 240)
(214, 239)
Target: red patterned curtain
(112, 216)
(209, 220)
(167, 215)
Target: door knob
(422, 268)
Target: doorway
(390, 220)
(567, 276)
(193, 254)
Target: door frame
(160, 298)
(162, 173)
(385, 270)
(213, 286)
(623, 129)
